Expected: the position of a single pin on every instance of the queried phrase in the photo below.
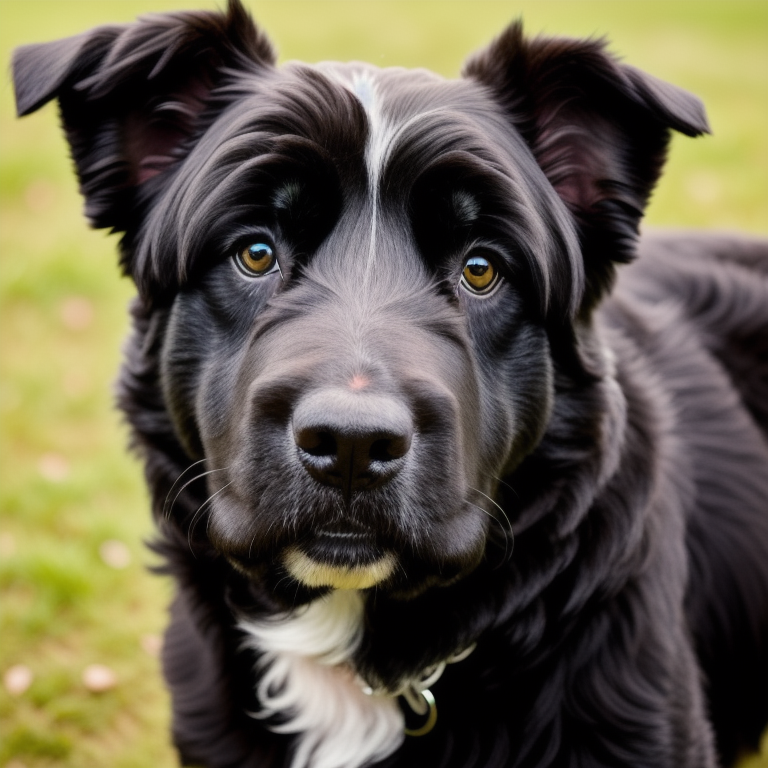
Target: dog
(450, 467)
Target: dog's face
(353, 273)
(335, 354)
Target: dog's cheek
(515, 374)
(529, 393)
(198, 365)
(180, 370)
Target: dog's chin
(329, 559)
(313, 569)
(348, 559)
(339, 557)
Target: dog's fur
(360, 469)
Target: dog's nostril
(379, 450)
(316, 442)
(389, 448)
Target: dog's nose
(352, 440)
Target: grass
(67, 485)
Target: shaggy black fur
(618, 432)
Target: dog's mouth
(340, 557)
(336, 556)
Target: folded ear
(598, 129)
(132, 97)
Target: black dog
(403, 446)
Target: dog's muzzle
(353, 441)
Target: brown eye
(256, 260)
(479, 275)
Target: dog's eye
(479, 275)
(256, 260)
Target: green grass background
(66, 482)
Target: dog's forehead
(400, 102)
(357, 110)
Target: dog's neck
(307, 682)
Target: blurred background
(81, 616)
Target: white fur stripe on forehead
(381, 130)
(383, 133)
(380, 136)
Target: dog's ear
(132, 96)
(598, 129)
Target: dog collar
(417, 697)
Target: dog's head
(349, 277)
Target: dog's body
(400, 439)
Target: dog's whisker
(507, 551)
(200, 511)
(497, 505)
(509, 534)
(500, 481)
(176, 482)
(187, 484)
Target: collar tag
(419, 698)
(422, 704)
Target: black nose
(352, 440)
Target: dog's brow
(466, 206)
(286, 195)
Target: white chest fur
(306, 679)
